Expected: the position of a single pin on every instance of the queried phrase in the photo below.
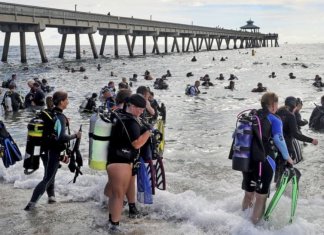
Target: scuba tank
(99, 139)
(8, 103)
(93, 120)
(33, 145)
(84, 104)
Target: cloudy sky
(296, 21)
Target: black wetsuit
(39, 98)
(316, 120)
(52, 162)
(29, 98)
(16, 101)
(290, 130)
(259, 89)
(91, 105)
(299, 120)
(125, 130)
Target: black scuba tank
(33, 145)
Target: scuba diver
(59, 142)
(291, 76)
(190, 74)
(207, 83)
(134, 78)
(260, 88)
(128, 137)
(272, 75)
(221, 77)
(12, 101)
(256, 184)
(147, 75)
(316, 120)
(290, 131)
(300, 122)
(318, 82)
(231, 86)
(45, 87)
(168, 74)
(232, 77)
(89, 104)
(193, 90)
(160, 84)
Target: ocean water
(203, 193)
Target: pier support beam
(61, 54)
(93, 46)
(227, 40)
(156, 46)
(6, 47)
(116, 45)
(235, 40)
(219, 43)
(129, 46)
(207, 44)
(241, 43)
(276, 43)
(41, 47)
(211, 43)
(193, 44)
(183, 44)
(133, 43)
(144, 45)
(200, 44)
(175, 44)
(77, 46)
(166, 44)
(23, 47)
(103, 43)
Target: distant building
(250, 27)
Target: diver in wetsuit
(256, 185)
(290, 130)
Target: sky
(296, 21)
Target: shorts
(116, 159)
(250, 179)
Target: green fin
(294, 197)
(280, 190)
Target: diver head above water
(291, 103)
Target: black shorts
(116, 159)
(250, 178)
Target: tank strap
(241, 148)
(100, 138)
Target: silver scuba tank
(100, 127)
(8, 103)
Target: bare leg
(248, 200)
(107, 190)
(119, 178)
(130, 194)
(259, 207)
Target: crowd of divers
(133, 117)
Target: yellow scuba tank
(99, 138)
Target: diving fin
(11, 152)
(294, 195)
(280, 190)
(160, 174)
